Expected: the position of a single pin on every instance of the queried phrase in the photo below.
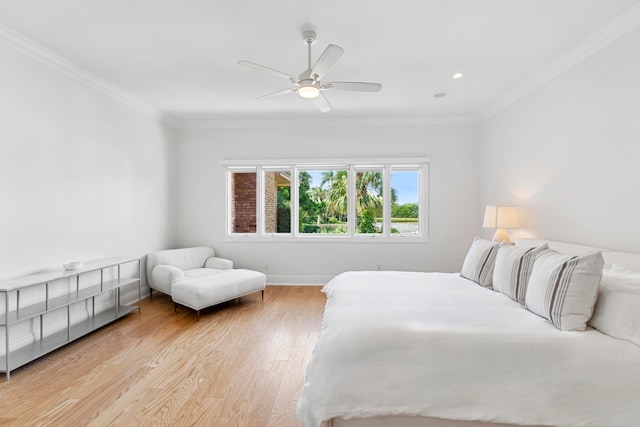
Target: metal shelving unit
(16, 312)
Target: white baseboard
(131, 296)
(292, 280)
(25, 335)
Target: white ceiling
(180, 56)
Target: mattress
(408, 344)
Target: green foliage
(324, 208)
(336, 184)
(408, 210)
(284, 220)
(405, 220)
(310, 228)
(284, 210)
(338, 228)
(308, 209)
(326, 205)
(366, 225)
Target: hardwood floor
(242, 364)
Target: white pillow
(478, 264)
(564, 289)
(617, 312)
(617, 268)
(513, 269)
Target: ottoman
(201, 292)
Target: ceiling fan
(309, 83)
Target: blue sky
(405, 183)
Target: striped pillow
(478, 264)
(513, 269)
(564, 289)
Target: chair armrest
(163, 275)
(218, 263)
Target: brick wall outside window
(243, 202)
(270, 203)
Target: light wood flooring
(242, 364)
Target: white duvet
(434, 344)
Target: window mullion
(423, 186)
(259, 201)
(351, 202)
(228, 214)
(386, 201)
(295, 201)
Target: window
(329, 200)
(242, 200)
(405, 201)
(276, 196)
(369, 200)
(323, 201)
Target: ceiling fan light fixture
(309, 91)
(309, 83)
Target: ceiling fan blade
(267, 69)
(322, 103)
(357, 86)
(274, 94)
(328, 58)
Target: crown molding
(609, 33)
(34, 50)
(625, 23)
(242, 123)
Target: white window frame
(264, 168)
(421, 164)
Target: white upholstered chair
(196, 278)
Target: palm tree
(318, 196)
(338, 184)
(368, 192)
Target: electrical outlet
(379, 267)
(266, 266)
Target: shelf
(41, 278)
(24, 355)
(34, 310)
(12, 288)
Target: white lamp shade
(490, 213)
(501, 217)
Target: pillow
(478, 264)
(617, 312)
(563, 289)
(513, 268)
(617, 268)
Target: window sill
(322, 239)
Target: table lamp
(501, 217)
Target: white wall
(568, 152)
(453, 199)
(82, 174)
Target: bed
(409, 349)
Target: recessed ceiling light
(457, 75)
(440, 94)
